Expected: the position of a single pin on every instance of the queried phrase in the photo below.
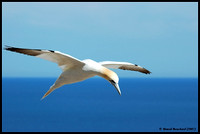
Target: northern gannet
(75, 70)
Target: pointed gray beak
(116, 86)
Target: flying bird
(75, 70)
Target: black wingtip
(147, 71)
(8, 48)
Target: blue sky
(162, 37)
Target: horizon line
(90, 78)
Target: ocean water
(146, 105)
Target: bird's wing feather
(54, 56)
(124, 66)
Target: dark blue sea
(93, 105)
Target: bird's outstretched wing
(61, 59)
(124, 66)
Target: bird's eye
(112, 81)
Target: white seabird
(75, 70)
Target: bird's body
(75, 70)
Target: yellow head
(111, 77)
